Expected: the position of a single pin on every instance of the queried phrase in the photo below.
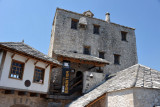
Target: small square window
(82, 26)
(116, 59)
(38, 75)
(74, 24)
(124, 36)
(16, 70)
(101, 55)
(96, 29)
(86, 50)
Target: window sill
(38, 83)
(117, 64)
(15, 78)
(74, 29)
(96, 33)
(124, 40)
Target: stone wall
(146, 97)
(8, 100)
(108, 41)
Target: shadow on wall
(19, 105)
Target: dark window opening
(86, 50)
(82, 26)
(74, 24)
(116, 59)
(43, 95)
(101, 55)
(124, 36)
(9, 91)
(96, 29)
(34, 94)
(38, 75)
(22, 93)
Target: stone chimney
(107, 17)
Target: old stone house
(24, 75)
(91, 62)
(90, 50)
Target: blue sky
(31, 20)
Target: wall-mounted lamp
(91, 75)
(72, 70)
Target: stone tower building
(91, 47)
(73, 32)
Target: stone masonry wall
(146, 97)
(108, 41)
(8, 100)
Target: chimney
(107, 17)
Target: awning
(80, 58)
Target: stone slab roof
(135, 76)
(27, 50)
(80, 56)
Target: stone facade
(14, 100)
(108, 40)
(146, 97)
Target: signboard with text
(65, 77)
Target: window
(124, 36)
(96, 29)
(82, 26)
(74, 24)
(38, 75)
(116, 59)
(86, 50)
(16, 70)
(101, 55)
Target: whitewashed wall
(90, 83)
(122, 98)
(28, 74)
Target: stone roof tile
(26, 49)
(80, 56)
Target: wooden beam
(13, 55)
(35, 62)
(26, 55)
(93, 102)
(26, 60)
(97, 64)
(47, 65)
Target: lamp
(91, 75)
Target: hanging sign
(65, 77)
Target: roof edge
(25, 54)
(92, 17)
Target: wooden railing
(75, 85)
